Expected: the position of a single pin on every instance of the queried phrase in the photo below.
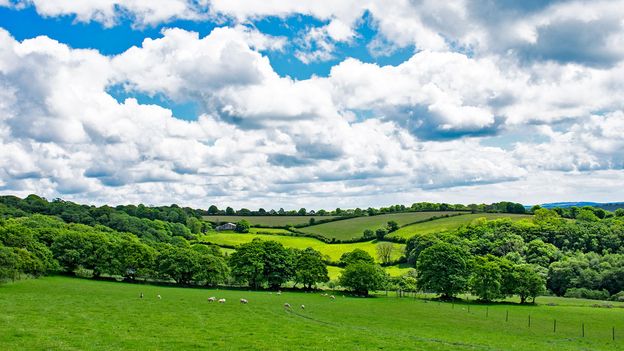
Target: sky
(312, 103)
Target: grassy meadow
(60, 313)
(269, 221)
(450, 223)
(333, 251)
(354, 227)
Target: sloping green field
(270, 221)
(333, 251)
(354, 227)
(450, 223)
(58, 313)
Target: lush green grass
(450, 223)
(72, 314)
(354, 227)
(273, 231)
(333, 251)
(271, 221)
(393, 271)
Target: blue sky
(315, 104)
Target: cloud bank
(498, 101)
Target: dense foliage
(494, 259)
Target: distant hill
(611, 206)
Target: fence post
(555, 326)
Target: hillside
(448, 224)
(348, 229)
(267, 221)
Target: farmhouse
(226, 226)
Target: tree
(310, 268)
(368, 234)
(230, 211)
(444, 268)
(213, 210)
(194, 225)
(363, 277)
(302, 212)
(587, 216)
(178, 263)
(529, 283)
(392, 226)
(242, 226)
(247, 264)
(381, 233)
(486, 279)
(278, 263)
(262, 262)
(357, 255)
(9, 263)
(384, 252)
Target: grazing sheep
(279, 292)
(243, 301)
(141, 294)
(158, 296)
(286, 305)
(212, 299)
(332, 297)
(303, 307)
(221, 300)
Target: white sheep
(221, 300)
(243, 301)
(212, 299)
(303, 307)
(158, 296)
(332, 297)
(286, 305)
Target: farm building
(226, 226)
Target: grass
(271, 231)
(447, 224)
(269, 221)
(333, 251)
(353, 228)
(62, 313)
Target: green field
(352, 228)
(59, 313)
(333, 251)
(271, 231)
(270, 221)
(451, 223)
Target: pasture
(63, 313)
(354, 227)
(450, 223)
(333, 251)
(266, 221)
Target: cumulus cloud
(365, 134)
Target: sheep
(158, 296)
(243, 301)
(332, 297)
(303, 307)
(221, 300)
(279, 292)
(286, 305)
(141, 295)
(212, 299)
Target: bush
(583, 293)
(618, 297)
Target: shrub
(583, 293)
